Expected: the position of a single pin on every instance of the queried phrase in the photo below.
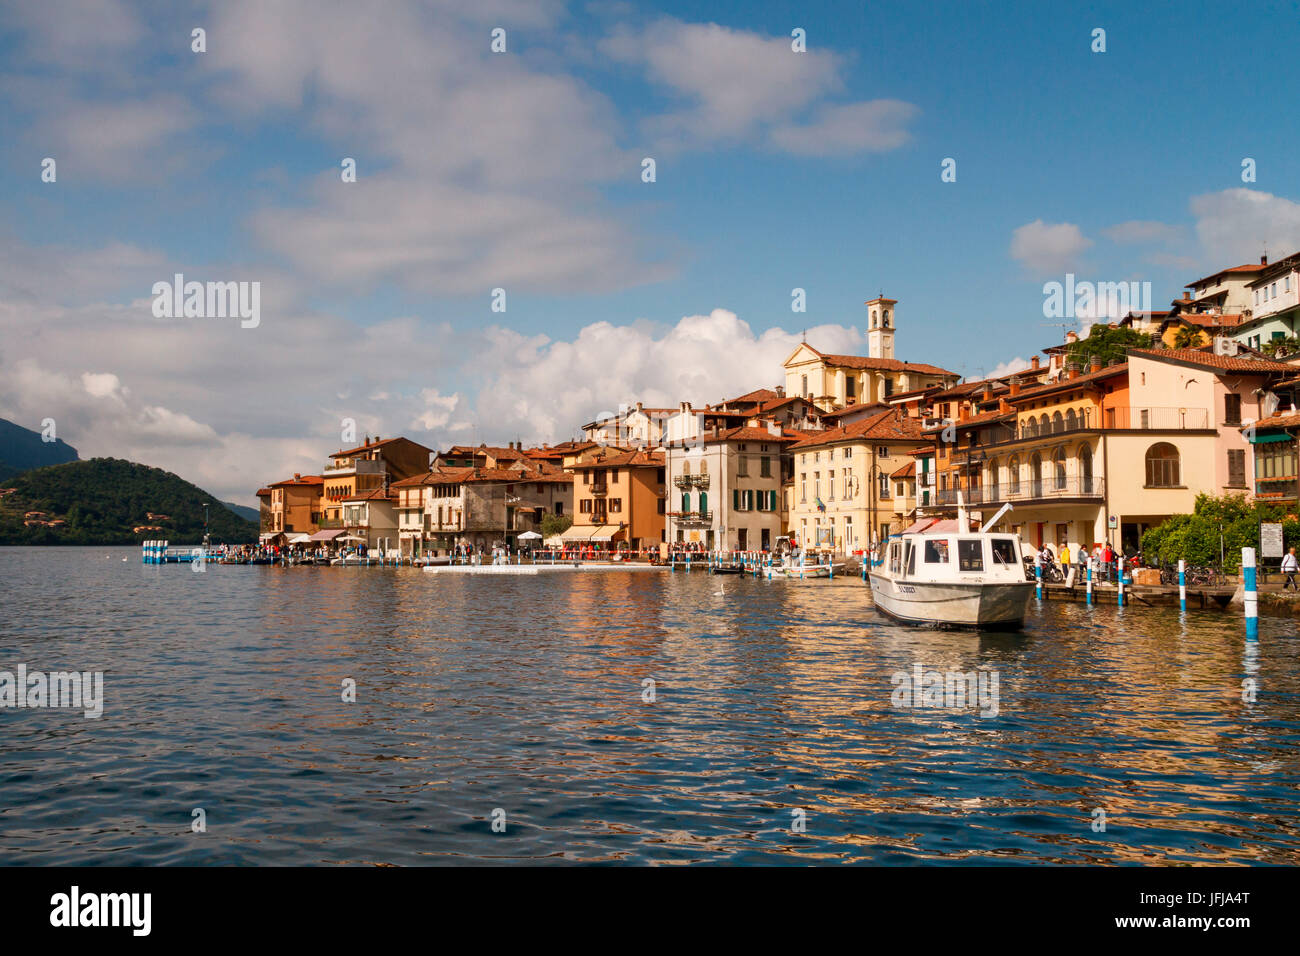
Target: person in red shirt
(1108, 561)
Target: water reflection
(225, 691)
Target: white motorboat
(940, 572)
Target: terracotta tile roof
(630, 459)
(924, 450)
(905, 471)
(1207, 359)
(757, 396)
(438, 476)
(299, 480)
(375, 444)
(1249, 267)
(261, 492)
(1283, 420)
(888, 425)
(882, 364)
(375, 494)
(1087, 378)
(749, 433)
(982, 418)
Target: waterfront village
(844, 450)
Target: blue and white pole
(1121, 584)
(1251, 593)
(1089, 582)
(1038, 579)
(1182, 585)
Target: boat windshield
(970, 554)
(1004, 551)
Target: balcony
(1033, 489)
(598, 488)
(1277, 489)
(1119, 419)
(691, 517)
(685, 482)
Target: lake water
(223, 691)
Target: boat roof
(940, 526)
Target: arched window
(1030, 427)
(1013, 474)
(704, 466)
(686, 467)
(1071, 420)
(1043, 424)
(1036, 475)
(1058, 469)
(1058, 423)
(1162, 466)
(993, 480)
(804, 393)
(1085, 469)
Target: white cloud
(1235, 226)
(1006, 368)
(875, 126)
(1142, 230)
(1048, 248)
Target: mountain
(245, 512)
(21, 449)
(102, 500)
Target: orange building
(294, 506)
(372, 465)
(619, 499)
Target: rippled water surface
(223, 691)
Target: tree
(1187, 337)
(1195, 538)
(555, 524)
(1108, 344)
(1280, 348)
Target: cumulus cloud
(1008, 367)
(1235, 226)
(733, 84)
(1048, 248)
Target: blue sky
(521, 170)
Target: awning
(577, 532)
(326, 535)
(268, 537)
(300, 538)
(1276, 436)
(605, 533)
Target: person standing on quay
(1289, 567)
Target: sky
(775, 169)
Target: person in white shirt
(1289, 567)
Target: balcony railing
(363, 466)
(692, 517)
(1118, 419)
(1031, 489)
(1277, 489)
(598, 488)
(691, 481)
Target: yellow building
(844, 490)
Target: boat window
(936, 551)
(911, 559)
(895, 562)
(970, 555)
(1004, 551)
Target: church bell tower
(880, 327)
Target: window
(742, 466)
(662, 505)
(850, 388)
(615, 504)
(765, 467)
(1231, 409)
(1004, 551)
(830, 485)
(584, 506)
(911, 559)
(704, 503)
(804, 393)
(803, 487)
(882, 451)
(1013, 474)
(936, 551)
(1162, 466)
(1236, 467)
(848, 453)
(686, 502)
(559, 508)
(1058, 469)
(884, 485)
(970, 555)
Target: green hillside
(100, 501)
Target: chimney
(367, 439)
(963, 411)
(780, 391)
(296, 476)
(774, 428)
(1072, 371)
(1094, 363)
(1004, 406)
(1071, 337)
(1263, 260)
(1014, 382)
(1033, 363)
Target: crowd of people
(1107, 563)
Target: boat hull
(984, 605)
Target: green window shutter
(686, 502)
(735, 499)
